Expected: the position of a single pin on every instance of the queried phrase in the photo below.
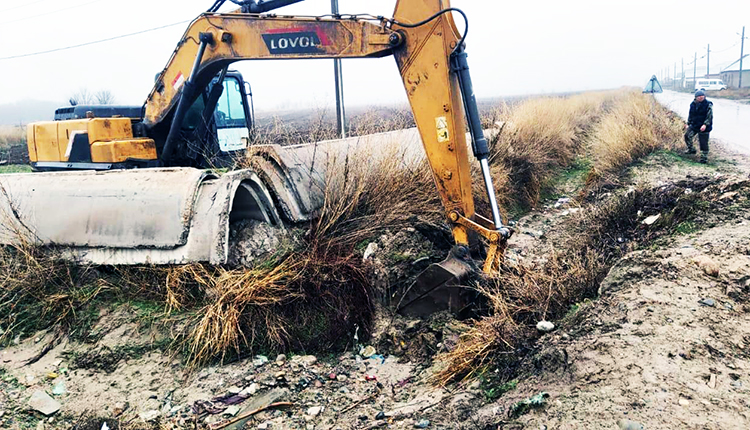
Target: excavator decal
(295, 41)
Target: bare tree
(85, 97)
(105, 97)
(82, 96)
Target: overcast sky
(515, 47)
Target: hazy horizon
(519, 48)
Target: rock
(29, 380)
(380, 415)
(728, 195)
(305, 360)
(372, 248)
(422, 424)
(545, 326)
(251, 389)
(736, 384)
(52, 375)
(650, 220)
(42, 402)
(120, 408)
(59, 389)
(231, 411)
(314, 411)
(149, 415)
(708, 265)
(341, 378)
(629, 425)
(264, 426)
(712, 381)
(281, 358)
(562, 201)
(683, 402)
(367, 351)
(260, 360)
(708, 302)
(279, 375)
(234, 390)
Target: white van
(710, 85)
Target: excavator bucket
(438, 288)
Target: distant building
(732, 77)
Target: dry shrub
(315, 127)
(524, 293)
(519, 296)
(12, 135)
(379, 120)
(38, 290)
(538, 138)
(636, 126)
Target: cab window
(230, 111)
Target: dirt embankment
(665, 346)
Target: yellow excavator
(130, 185)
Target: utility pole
(695, 66)
(708, 57)
(742, 54)
(339, 82)
(682, 82)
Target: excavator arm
(429, 52)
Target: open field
(578, 176)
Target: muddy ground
(666, 345)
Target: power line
(22, 5)
(93, 42)
(716, 52)
(49, 13)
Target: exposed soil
(665, 346)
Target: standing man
(700, 121)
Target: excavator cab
(216, 128)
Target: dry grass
(12, 135)
(539, 137)
(523, 294)
(636, 126)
